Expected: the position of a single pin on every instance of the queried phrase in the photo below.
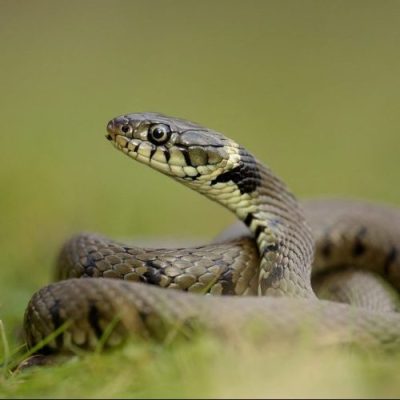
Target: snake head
(176, 147)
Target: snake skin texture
(264, 267)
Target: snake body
(266, 268)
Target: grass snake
(324, 264)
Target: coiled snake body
(356, 244)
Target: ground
(206, 367)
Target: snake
(332, 265)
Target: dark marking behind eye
(246, 175)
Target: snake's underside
(265, 269)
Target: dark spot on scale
(93, 318)
(152, 152)
(142, 316)
(167, 154)
(246, 175)
(249, 218)
(390, 259)
(55, 314)
(109, 137)
(57, 321)
(186, 155)
(90, 271)
(275, 275)
(271, 247)
(136, 148)
(326, 248)
(191, 178)
(226, 281)
(89, 264)
(152, 275)
(227, 286)
(258, 230)
(359, 247)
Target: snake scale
(268, 269)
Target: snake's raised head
(199, 157)
(176, 147)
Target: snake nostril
(110, 130)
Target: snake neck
(283, 238)
(219, 168)
(272, 213)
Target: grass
(310, 87)
(206, 367)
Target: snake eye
(159, 133)
(126, 129)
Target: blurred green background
(311, 87)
